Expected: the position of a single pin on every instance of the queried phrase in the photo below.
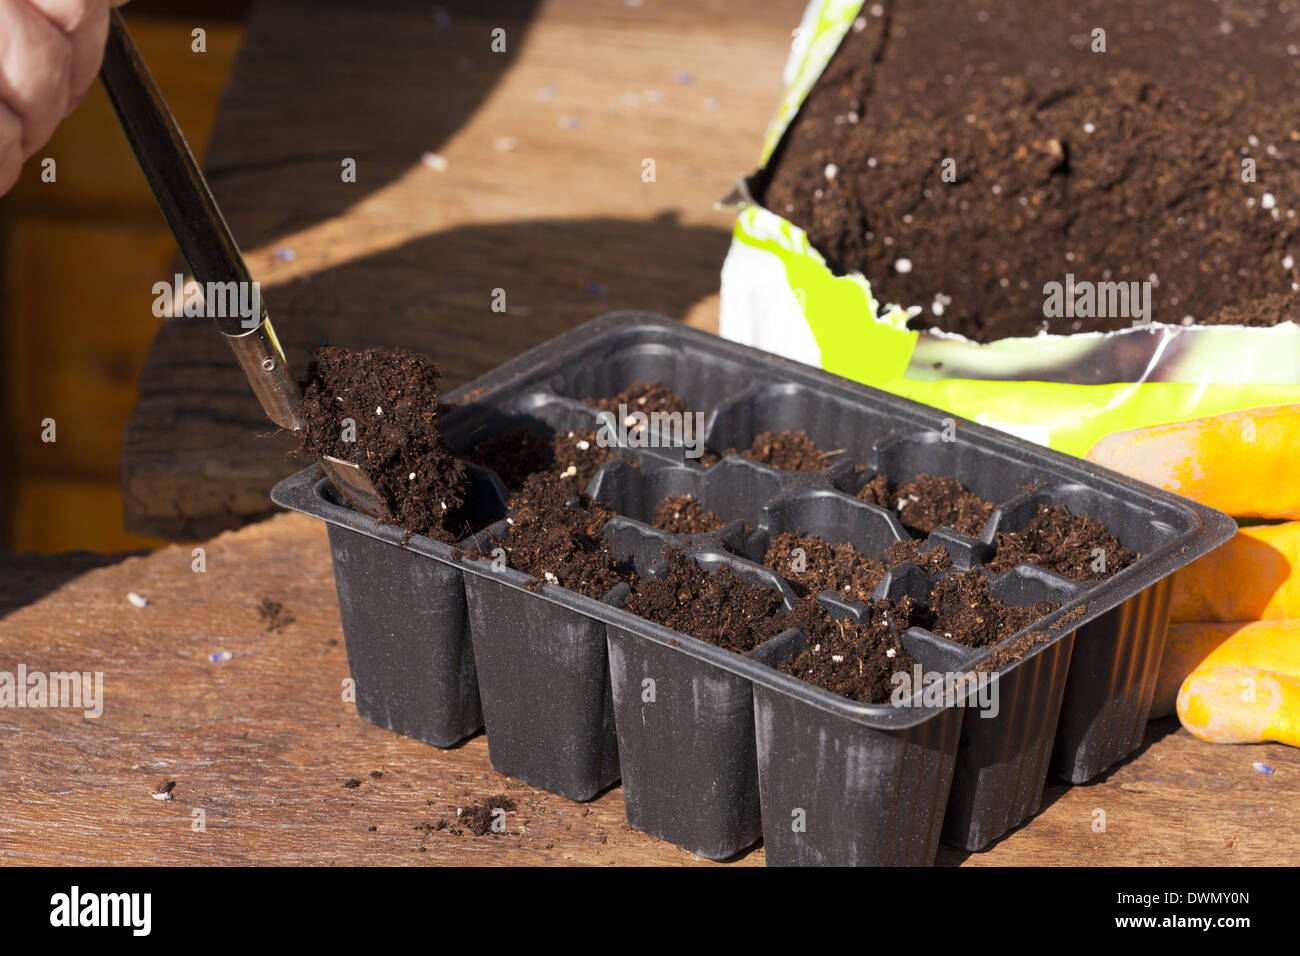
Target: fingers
(35, 71)
(11, 148)
(85, 24)
(1237, 462)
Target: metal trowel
(209, 249)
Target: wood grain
(263, 744)
(542, 197)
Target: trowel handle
(200, 230)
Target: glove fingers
(1202, 645)
(1255, 576)
(1239, 705)
(1242, 462)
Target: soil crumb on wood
(1071, 545)
(719, 607)
(477, 818)
(927, 502)
(962, 610)
(555, 537)
(684, 514)
(852, 660)
(391, 397)
(825, 567)
(1124, 165)
(274, 615)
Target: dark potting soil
(1012, 651)
(1123, 165)
(841, 568)
(391, 397)
(1072, 545)
(642, 397)
(854, 661)
(933, 561)
(274, 615)
(557, 543)
(719, 607)
(516, 453)
(477, 818)
(963, 610)
(927, 502)
(683, 514)
(789, 451)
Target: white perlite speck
(903, 266)
(831, 170)
(137, 600)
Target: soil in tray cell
(852, 660)
(644, 397)
(927, 502)
(387, 401)
(719, 606)
(788, 451)
(1071, 545)
(932, 561)
(1135, 164)
(559, 544)
(813, 565)
(683, 514)
(961, 609)
(572, 455)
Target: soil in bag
(962, 156)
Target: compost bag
(1060, 390)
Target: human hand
(49, 54)
(1232, 656)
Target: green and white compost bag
(1065, 391)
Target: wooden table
(263, 744)
(542, 196)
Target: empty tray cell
(733, 490)
(652, 355)
(842, 431)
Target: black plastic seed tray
(714, 748)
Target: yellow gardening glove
(1231, 666)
